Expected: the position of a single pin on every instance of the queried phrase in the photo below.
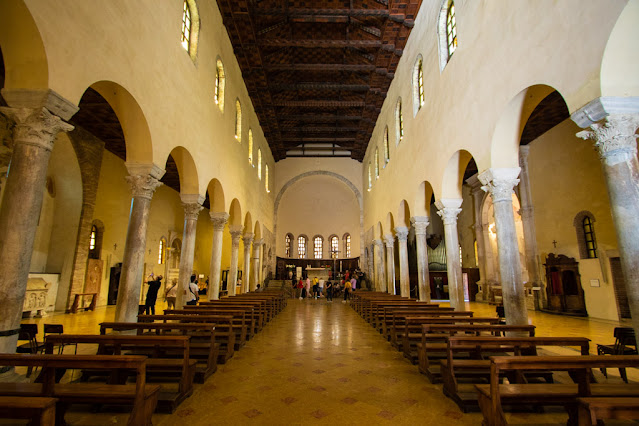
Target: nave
(319, 361)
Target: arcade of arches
(501, 153)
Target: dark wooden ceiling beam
(320, 118)
(321, 86)
(318, 140)
(364, 68)
(319, 43)
(320, 104)
(380, 13)
(320, 129)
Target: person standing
(315, 288)
(320, 287)
(152, 294)
(171, 294)
(347, 291)
(329, 291)
(192, 294)
(308, 286)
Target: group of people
(170, 293)
(316, 288)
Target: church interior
(470, 165)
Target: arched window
(95, 239)
(161, 251)
(447, 32)
(259, 163)
(266, 178)
(301, 247)
(418, 84)
(370, 177)
(584, 224)
(376, 163)
(287, 244)
(399, 121)
(386, 147)
(347, 245)
(220, 83)
(94, 231)
(190, 28)
(250, 147)
(238, 121)
(334, 247)
(318, 246)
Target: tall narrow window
(399, 121)
(376, 163)
(161, 251)
(451, 29)
(287, 244)
(589, 236)
(238, 121)
(220, 83)
(186, 27)
(301, 247)
(584, 224)
(347, 245)
(94, 232)
(190, 28)
(266, 178)
(370, 177)
(418, 84)
(250, 147)
(259, 163)
(318, 244)
(95, 239)
(334, 246)
(386, 147)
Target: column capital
(402, 233)
(474, 183)
(420, 223)
(614, 136)
(37, 127)
(448, 209)
(143, 185)
(248, 238)
(219, 220)
(378, 242)
(151, 169)
(192, 210)
(500, 182)
(236, 233)
(524, 151)
(599, 108)
(389, 240)
(38, 99)
(258, 242)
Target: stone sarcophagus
(36, 297)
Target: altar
(320, 273)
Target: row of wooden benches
(472, 356)
(175, 349)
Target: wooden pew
(402, 322)
(394, 316)
(157, 365)
(433, 344)
(239, 323)
(202, 345)
(224, 333)
(259, 309)
(493, 397)
(476, 368)
(594, 410)
(143, 397)
(40, 411)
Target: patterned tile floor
(320, 363)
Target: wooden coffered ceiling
(318, 71)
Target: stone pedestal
(257, 254)
(218, 220)
(420, 223)
(236, 234)
(380, 273)
(247, 239)
(144, 179)
(192, 204)
(499, 183)
(404, 278)
(33, 137)
(449, 209)
(390, 263)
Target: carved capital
(248, 239)
(524, 151)
(258, 243)
(500, 183)
(389, 240)
(192, 210)
(420, 223)
(236, 234)
(219, 219)
(37, 127)
(402, 233)
(378, 243)
(448, 209)
(143, 186)
(614, 135)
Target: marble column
(527, 212)
(255, 278)
(404, 278)
(380, 275)
(478, 201)
(500, 183)
(192, 204)
(420, 223)
(613, 124)
(218, 219)
(34, 134)
(144, 179)
(448, 210)
(236, 234)
(389, 240)
(247, 239)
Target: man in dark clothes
(152, 294)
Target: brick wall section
(89, 150)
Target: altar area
(320, 273)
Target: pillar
(380, 276)
(390, 263)
(448, 209)
(613, 123)
(255, 273)
(404, 278)
(192, 204)
(420, 223)
(236, 233)
(144, 179)
(499, 183)
(218, 219)
(247, 239)
(478, 201)
(34, 134)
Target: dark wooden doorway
(619, 284)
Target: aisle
(317, 363)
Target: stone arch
(187, 171)
(423, 199)
(257, 230)
(248, 223)
(379, 231)
(216, 196)
(390, 223)
(453, 178)
(235, 213)
(403, 214)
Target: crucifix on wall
(554, 243)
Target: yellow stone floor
(320, 363)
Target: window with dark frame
(589, 236)
(451, 29)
